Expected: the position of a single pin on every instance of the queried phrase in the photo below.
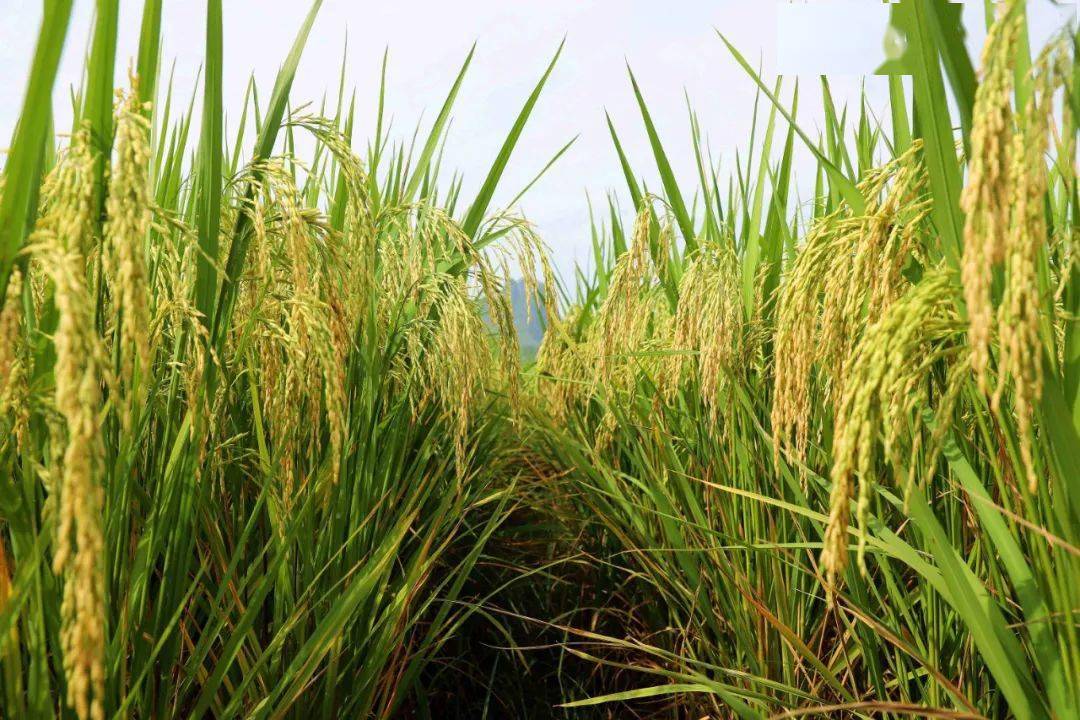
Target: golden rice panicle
(301, 245)
(880, 401)
(796, 335)
(524, 250)
(1004, 202)
(10, 328)
(654, 341)
(708, 323)
(458, 362)
(68, 197)
(891, 229)
(13, 359)
(327, 370)
(1019, 312)
(80, 546)
(564, 366)
(129, 217)
(79, 549)
(840, 317)
(259, 269)
(848, 272)
(864, 275)
(988, 194)
(532, 255)
(622, 320)
(493, 287)
(176, 314)
(310, 363)
(412, 240)
(354, 274)
(496, 295)
(291, 287)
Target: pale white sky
(671, 46)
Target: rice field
(270, 445)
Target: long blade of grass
(934, 126)
(22, 169)
(663, 166)
(844, 184)
(435, 136)
(479, 207)
(628, 173)
(149, 50)
(209, 169)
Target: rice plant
(268, 448)
(256, 418)
(834, 452)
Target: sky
(672, 48)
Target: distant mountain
(530, 326)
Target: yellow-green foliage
(261, 419)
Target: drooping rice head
(129, 214)
(879, 416)
(848, 273)
(709, 328)
(1006, 224)
(59, 243)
